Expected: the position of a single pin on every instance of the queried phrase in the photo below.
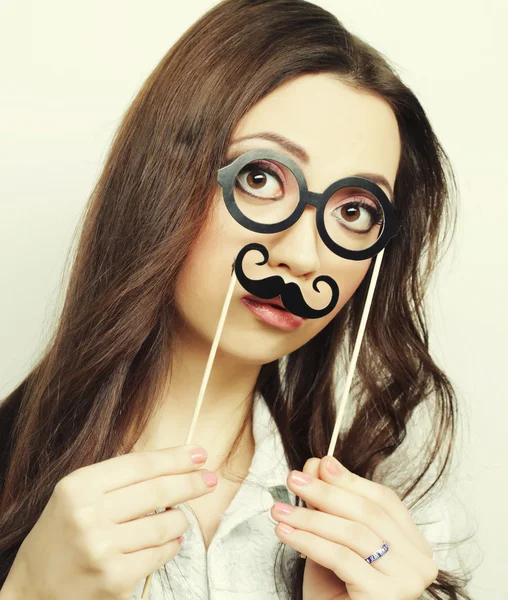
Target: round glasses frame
(227, 176)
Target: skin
(344, 132)
(99, 551)
(349, 518)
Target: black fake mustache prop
(290, 293)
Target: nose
(295, 248)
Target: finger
(311, 467)
(140, 564)
(345, 563)
(343, 503)
(138, 500)
(376, 493)
(355, 572)
(94, 480)
(356, 536)
(148, 532)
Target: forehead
(343, 131)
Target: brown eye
(256, 179)
(261, 181)
(350, 213)
(358, 216)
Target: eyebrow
(302, 155)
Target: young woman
(93, 439)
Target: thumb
(311, 467)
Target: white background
(70, 70)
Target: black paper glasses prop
(266, 192)
(266, 206)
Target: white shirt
(239, 563)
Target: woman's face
(344, 133)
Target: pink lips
(274, 316)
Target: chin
(257, 346)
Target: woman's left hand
(354, 517)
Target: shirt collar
(266, 479)
(269, 465)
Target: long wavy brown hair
(98, 381)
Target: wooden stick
(204, 383)
(356, 351)
(211, 356)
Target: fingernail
(210, 478)
(286, 528)
(299, 478)
(198, 455)
(283, 508)
(180, 540)
(332, 465)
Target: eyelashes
(364, 212)
(264, 182)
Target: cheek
(203, 281)
(205, 277)
(348, 274)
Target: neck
(226, 404)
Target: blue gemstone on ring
(378, 553)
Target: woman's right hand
(93, 539)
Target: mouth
(272, 312)
(275, 302)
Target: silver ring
(378, 553)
